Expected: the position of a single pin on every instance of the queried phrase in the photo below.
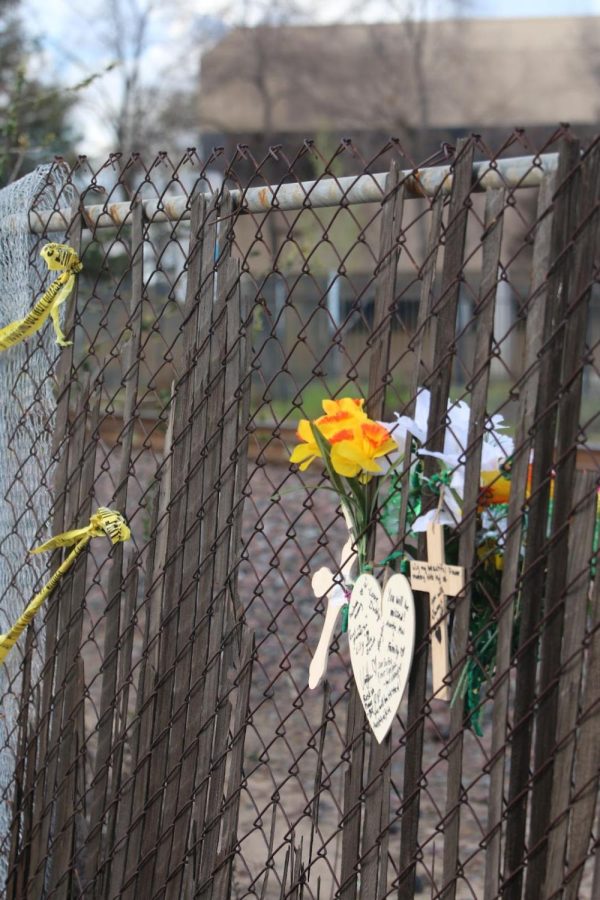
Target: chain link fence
(170, 745)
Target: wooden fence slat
(171, 582)
(141, 736)
(199, 306)
(584, 791)
(225, 633)
(19, 833)
(439, 384)
(528, 387)
(379, 363)
(70, 802)
(66, 864)
(174, 605)
(581, 535)
(385, 293)
(242, 447)
(130, 738)
(384, 824)
(424, 337)
(118, 806)
(62, 597)
(596, 882)
(373, 852)
(317, 786)
(231, 806)
(445, 308)
(532, 581)
(107, 712)
(224, 639)
(179, 793)
(131, 368)
(484, 336)
(212, 823)
(354, 753)
(236, 403)
(373, 868)
(577, 290)
(66, 384)
(213, 607)
(28, 791)
(209, 382)
(237, 395)
(422, 346)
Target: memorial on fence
(347, 644)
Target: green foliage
(33, 116)
(483, 633)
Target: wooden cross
(438, 580)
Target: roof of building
(459, 73)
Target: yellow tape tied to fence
(59, 258)
(105, 521)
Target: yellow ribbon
(105, 521)
(59, 258)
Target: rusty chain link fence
(170, 746)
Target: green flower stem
(464, 678)
(345, 611)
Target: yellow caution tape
(105, 521)
(59, 258)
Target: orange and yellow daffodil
(356, 441)
(354, 450)
(339, 414)
(495, 488)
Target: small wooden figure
(324, 583)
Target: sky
(71, 36)
(526, 8)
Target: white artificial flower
(418, 426)
(450, 511)
(496, 447)
(402, 426)
(392, 459)
(442, 517)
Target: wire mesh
(171, 744)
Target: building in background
(419, 81)
(424, 83)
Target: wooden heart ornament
(381, 631)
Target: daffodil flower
(339, 415)
(354, 450)
(356, 441)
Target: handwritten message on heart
(381, 631)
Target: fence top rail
(517, 172)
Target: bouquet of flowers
(364, 459)
(497, 448)
(354, 448)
